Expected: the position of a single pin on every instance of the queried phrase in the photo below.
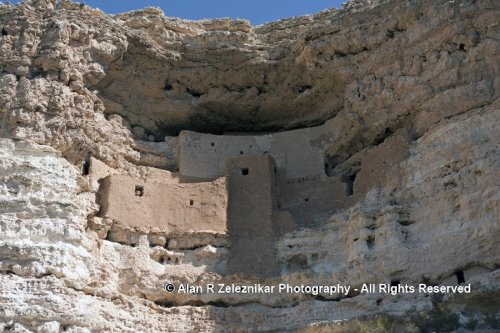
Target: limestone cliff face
(412, 84)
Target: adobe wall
(157, 202)
(312, 200)
(380, 163)
(252, 213)
(297, 153)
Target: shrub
(471, 324)
(492, 320)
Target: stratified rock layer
(410, 87)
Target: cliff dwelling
(253, 188)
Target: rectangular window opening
(395, 283)
(460, 277)
(244, 171)
(350, 184)
(370, 242)
(86, 167)
(139, 191)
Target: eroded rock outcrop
(377, 125)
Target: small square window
(191, 202)
(244, 171)
(395, 283)
(139, 191)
